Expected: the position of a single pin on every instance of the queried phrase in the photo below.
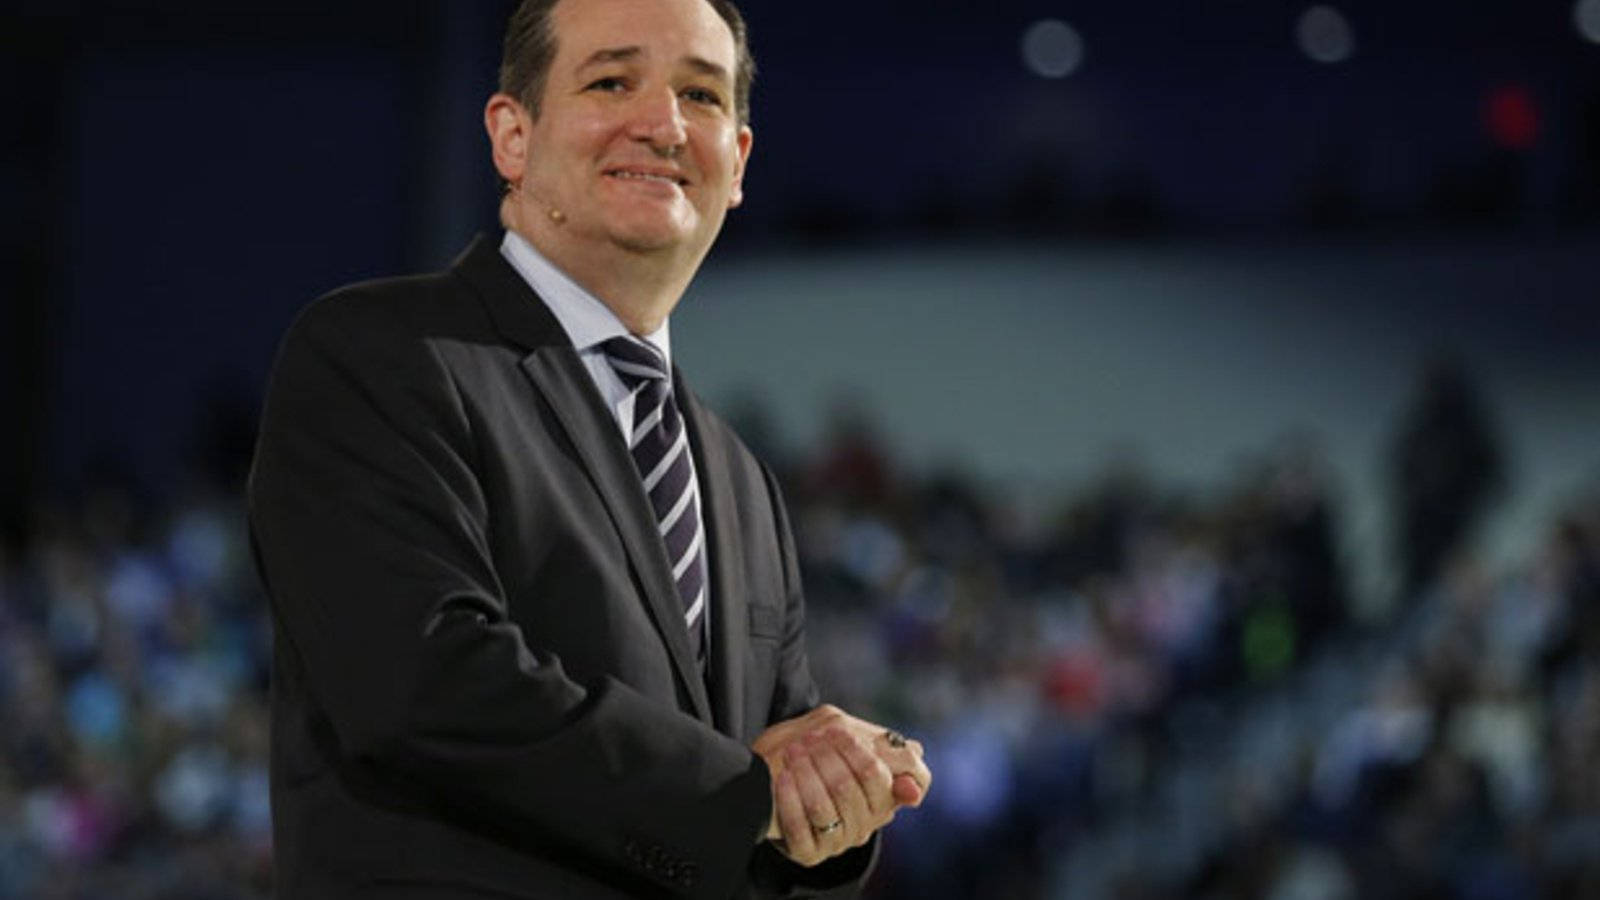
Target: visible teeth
(645, 176)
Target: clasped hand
(836, 779)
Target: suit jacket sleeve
(371, 534)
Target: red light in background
(1512, 117)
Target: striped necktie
(660, 449)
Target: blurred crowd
(134, 657)
(1151, 695)
(1136, 693)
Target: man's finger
(906, 790)
(844, 788)
(820, 809)
(921, 774)
(903, 756)
(799, 843)
(871, 774)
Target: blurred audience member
(1446, 469)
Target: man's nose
(658, 119)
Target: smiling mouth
(634, 175)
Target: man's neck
(640, 288)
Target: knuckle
(816, 799)
(873, 771)
(873, 762)
(880, 771)
(838, 782)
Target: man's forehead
(690, 30)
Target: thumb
(906, 791)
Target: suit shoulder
(391, 326)
(418, 304)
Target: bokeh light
(1052, 49)
(1586, 16)
(1325, 35)
(1512, 117)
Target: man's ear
(746, 138)
(507, 122)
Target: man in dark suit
(539, 625)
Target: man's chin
(656, 237)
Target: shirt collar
(587, 321)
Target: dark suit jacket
(482, 685)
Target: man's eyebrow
(706, 67)
(622, 54)
(610, 55)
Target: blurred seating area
(134, 657)
(1127, 693)
(1142, 694)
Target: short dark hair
(530, 48)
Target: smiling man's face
(637, 142)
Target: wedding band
(895, 739)
(835, 825)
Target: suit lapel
(561, 379)
(729, 617)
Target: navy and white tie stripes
(660, 448)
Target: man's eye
(701, 95)
(606, 84)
